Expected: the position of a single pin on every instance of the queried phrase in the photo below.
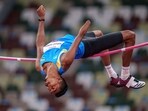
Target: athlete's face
(53, 84)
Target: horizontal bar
(96, 55)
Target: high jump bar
(96, 55)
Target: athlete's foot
(115, 81)
(131, 82)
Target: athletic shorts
(95, 45)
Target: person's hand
(41, 12)
(84, 28)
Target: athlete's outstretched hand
(41, 12)
(84, 28)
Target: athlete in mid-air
(57, 56)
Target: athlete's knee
(128, 36)
(98, 33)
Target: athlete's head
(56, 85)
(63, 88)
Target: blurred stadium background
(22, 88)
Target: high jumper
(56, 57)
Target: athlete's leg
(110, 40)
(103, 43)
(98, 34)
(106, 59)
(126, 78)
(93, 46)
(129, 40)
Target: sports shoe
(131, 82)
(115, 81)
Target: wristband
(41, 19)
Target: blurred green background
(22, 88)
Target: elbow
(66, 61)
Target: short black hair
(63, 89)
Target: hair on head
(63, 89)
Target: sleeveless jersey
(53, 51)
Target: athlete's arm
(68, 57)
(40, 40)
